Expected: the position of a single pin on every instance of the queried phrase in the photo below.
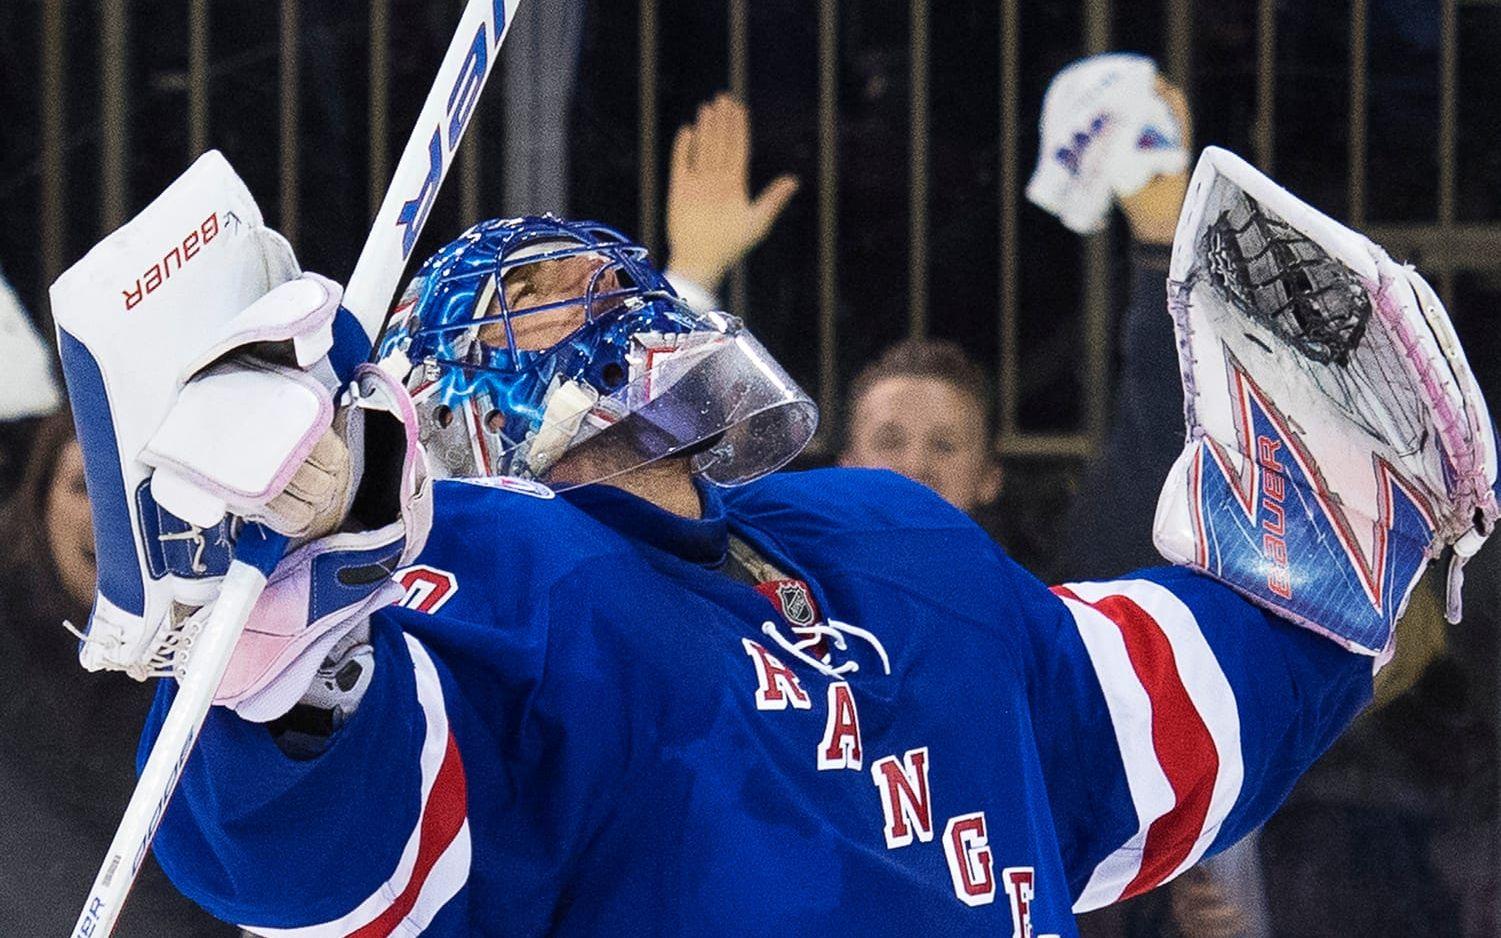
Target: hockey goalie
(627, 679)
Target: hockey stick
(419, 174)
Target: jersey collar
(698, 540)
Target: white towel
(1106, 133)
(27, 388)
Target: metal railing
(1446, 246)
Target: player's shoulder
(498, 555)
(859, 531)
(845, 498)
(459, 500)
(523, 519)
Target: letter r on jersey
(777, 684)
(904, 797)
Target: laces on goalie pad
(1279, 278)
(1337, 440)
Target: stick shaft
(127, 851)
(414, 186)
(428, 156)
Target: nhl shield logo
(792, 596)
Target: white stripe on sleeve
(1175, 721)
(435, 863)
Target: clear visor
(717, 396)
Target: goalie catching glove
(1337, 440)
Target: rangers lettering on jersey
(967, 848)
(840, 747)
(904, 797)
(778, 683)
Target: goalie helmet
(553, 351)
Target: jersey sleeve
(1172, 718)
(368, 838)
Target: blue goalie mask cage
(627, 374)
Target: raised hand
(712, 221)
(1153, 211)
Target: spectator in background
(67, 737)
(713, 222)
(1145, 427)
(1350, 851)
(27, 389)
(924, 408)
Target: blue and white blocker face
(554, 351)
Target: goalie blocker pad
(1337, 441)
(133, 316)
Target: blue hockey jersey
(580, 725)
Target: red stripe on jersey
(447, 805)
(1184, 747)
